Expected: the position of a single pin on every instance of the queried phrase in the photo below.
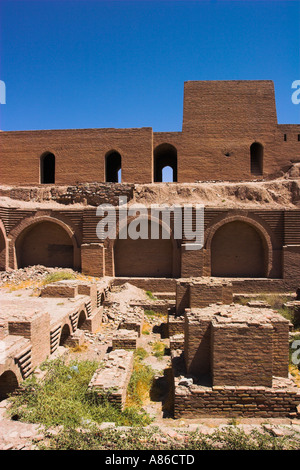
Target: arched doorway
(2, 251)
(81, 319)
(8, 384)
(165, 157)
(47, 168)
(237, 250)
(46, 243)
(113, 167)
(144, 258)
(65, 333)
(256, 158)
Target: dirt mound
(281, 193)
(30, 273)
(125, 294)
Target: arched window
(256, 158)
(48, 168)
(113, 167)
(165, 163)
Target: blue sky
(94, 64)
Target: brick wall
(221, 119)
(242, 354)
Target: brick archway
(58, 233)
(241, 248)
(8, 383)
(145, 258)
(3, 248)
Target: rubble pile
(30, 273)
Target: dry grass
(79, 348)
(138, 392)
(294, 371)
(146, 329)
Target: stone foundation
(125, 339)
(111, 380)
(196, 400)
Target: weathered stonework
(234, 363)
(111, 380)
(32, 328)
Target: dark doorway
(256, 156)
(48, 168)
(113, 166)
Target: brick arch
(82, 317)
(262, 232)
(168, 249)
(65, 333)
(8, 383)
(164, 155)
(3, 248)
(27, 224)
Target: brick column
(191, 260)
(92, 259)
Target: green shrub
(63, 398)
(58, 276)
(150, 295)
(149, 439)
(159, 349)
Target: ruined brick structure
(229, 133)
(231, 149)
(235, 363)
(32, 328)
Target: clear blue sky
(81, 64)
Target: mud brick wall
(79, 153)
(91, 291)
(59, 289)
(242, 354)
(221, 119)
(175, 325)
(202, 295)
(193, 294)
(177, 342)
(92, 259)
(280, 347)
(197, 343)
(111, 382)
(36, 329)
(135, 325)
(191, 262)
(291, 261)
(234, 401)
(124, 340)
(182, 296)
